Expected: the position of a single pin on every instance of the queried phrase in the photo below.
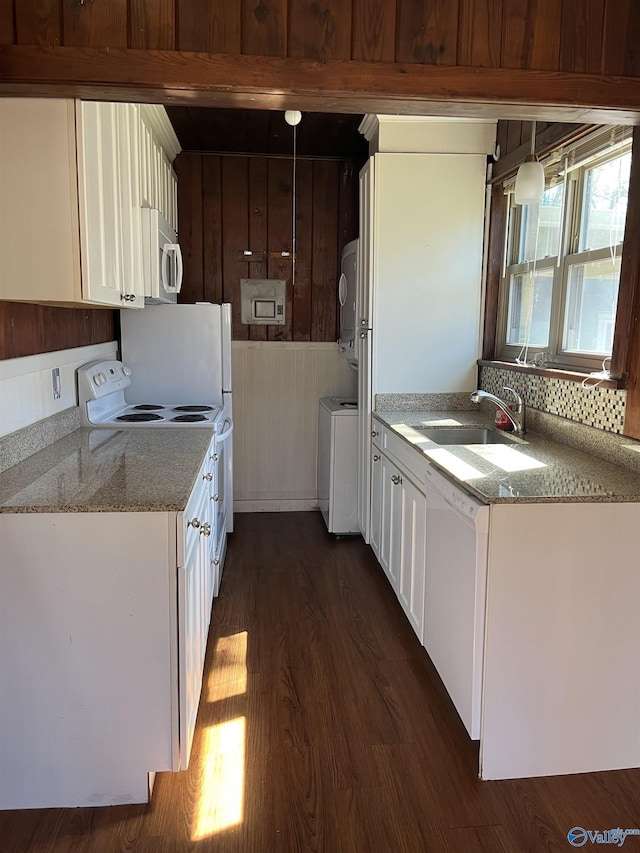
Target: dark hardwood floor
(323, 726)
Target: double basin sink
(465, 435)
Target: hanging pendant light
(293, 118)
(530, 177)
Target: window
(559, 290)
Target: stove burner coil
(148, 407)
(192, 408)
(136, 417)
(189, 419)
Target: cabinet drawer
(409, 460)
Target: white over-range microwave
(162, 258)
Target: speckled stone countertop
(95, 470)
(532, 469)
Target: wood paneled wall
(30, 329)
(583, 36)
(228, 204)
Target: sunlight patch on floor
(221, 801)
(228, 675)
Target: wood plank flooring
(323, 726)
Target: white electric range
(104, 403)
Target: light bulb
(293, 117)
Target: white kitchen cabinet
(109, 204)
(130, 203)
(158, 148)
(398, 520)
(103, 629)
(364, 348)
(412, 554)
(195, 596)
(561, 687)
(387, 515)
(376, 500)
(418, 304)
(72, 182)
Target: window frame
(573, 217)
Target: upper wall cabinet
(71, 187)
(159, 147)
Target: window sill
(551, 373)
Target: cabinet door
(390, 527)
(130, 219)
(365, 428)
(395, 534)
(366, 267)
(192, 615)
(364, 349)
(376, 501)
(412, 554)
(99, 202)
(146, 166)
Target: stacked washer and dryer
(338, 420)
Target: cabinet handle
(395, 479)
(214, 498)
(215, 561)
(206, 529)
(363, 322)
(374, 433)
(375, 457)
(207, 477)
(363, 334)
(214, 457)
(195, 523)
(128, 297)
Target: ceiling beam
(258, 82)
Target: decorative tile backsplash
(603, 408)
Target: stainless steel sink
(465, 435)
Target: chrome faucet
(517, 416)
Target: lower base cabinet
(397, 534)
(104, 618)
(559, 628)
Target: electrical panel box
(263, 301)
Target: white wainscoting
(26, 389)
(276, 389)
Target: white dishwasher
(457, 535)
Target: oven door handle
(226, 433)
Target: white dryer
(347, 287)
(338, 464)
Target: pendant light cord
(293, 212)
(533, 139)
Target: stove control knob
(96, 379)
(103, 378)
(126, 371)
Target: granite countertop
(531, 469)
(98, 470)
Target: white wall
(276, 389)
(26, 390)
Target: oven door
(219, 499)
